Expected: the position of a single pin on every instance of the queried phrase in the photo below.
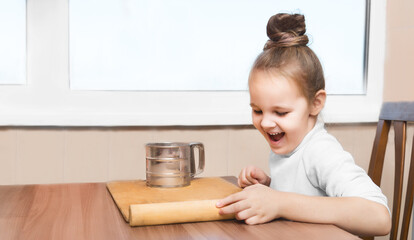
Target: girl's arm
(259, 204)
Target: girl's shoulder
(323, 147)
(324, 158)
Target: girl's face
(279, 110)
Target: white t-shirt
(319, 166)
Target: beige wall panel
(363, 140)
(399, 71)
(8, 150)
(215, 142)
(39, 156)
(86, 155)
(127, 153)
(400, 13)
(247, 147)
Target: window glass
(13, 42)
(204, 45)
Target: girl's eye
(257, 111)
(281, 113)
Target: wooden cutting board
(143, 205)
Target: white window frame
(48, 101)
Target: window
(195, 45)
(48, 100)
(13, 42)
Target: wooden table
(87, 211)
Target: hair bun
(286, 30)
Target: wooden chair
(398, 114)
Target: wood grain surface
(87, 211)
(130, 193)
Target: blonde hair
(287, 53)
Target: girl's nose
(268, 122)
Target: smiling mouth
(276, 136)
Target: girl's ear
(318, 102)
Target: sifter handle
(201, 161)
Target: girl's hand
(252, 175)
(255, 204)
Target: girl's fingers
(245, 214)
(254, 219)
(242, 179)
(250, 177)
(246, 178)
(231, 204)
(226, 201)
(234, 208)
(258, 175)
(253, 173)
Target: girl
(312, 179)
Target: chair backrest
(398, 114)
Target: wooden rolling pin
(175, 212)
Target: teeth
(273, 134)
